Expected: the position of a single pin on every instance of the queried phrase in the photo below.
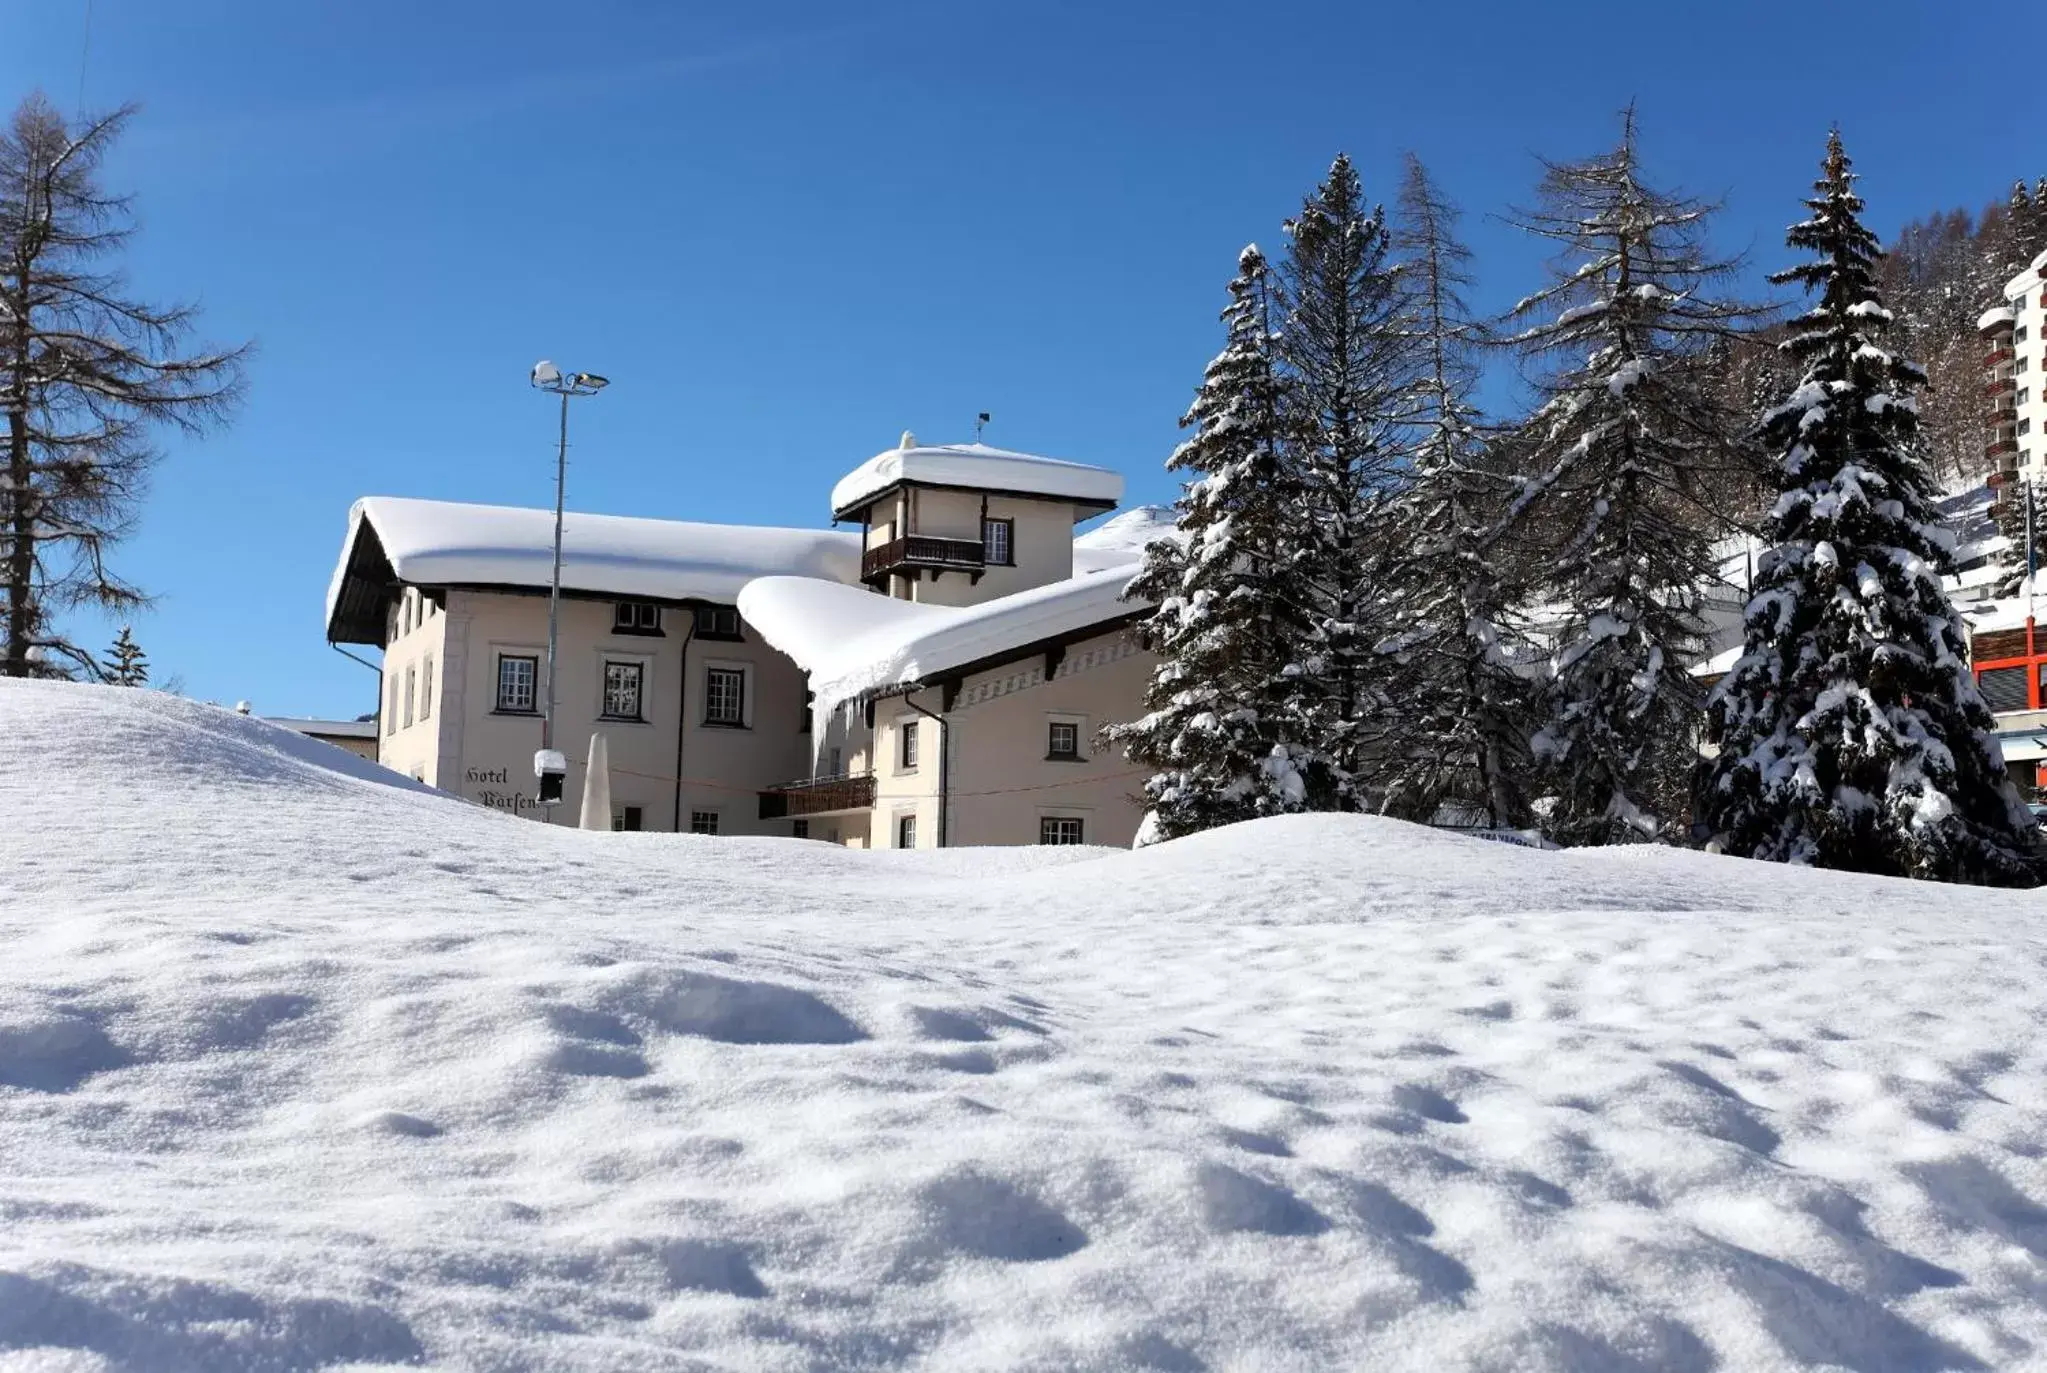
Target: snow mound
(303, 1066)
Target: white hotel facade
(935, 677)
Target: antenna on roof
(980, 421)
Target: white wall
(474, 750)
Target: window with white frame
(835, 762)
(622, 688)
(426, 688)
(636, 617)
(1061, 829)
(1063, 741)
(411, 690)
(906, 736)
(998, 542)
(518, 674)
(703, 822)
(725, 696)
(906, 831)
(628, 819)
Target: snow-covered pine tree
(1632, 437)
(126, 664)
(1221, 706)
(1348, 357)
(1850, 732)
(1463, 736)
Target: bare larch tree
(87, 374)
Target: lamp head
(590, 381)
(546, 373)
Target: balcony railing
(818, 796)
(922, 552)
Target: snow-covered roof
(1721, 663)
(337, 729)
(978, 467)
(1122, 539)
(448, 543)
(1995, 318)
(2028, 279)
(853, 642)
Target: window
(629, 819)
(998, 543)
(800, 828)
(2026, 425)
(907, 732)
(835, 762)
(411, 690)
(718, 622)
(426, 689)
(703, 822)
(2018, 335)
(2022, 397)
(391, 711)
(906, 831)
(725, 696)
(622, 683)
(2003, 688)
(1065, 741)
(2019, 366)
(517, 674)
(636, 617)
(1060, 829)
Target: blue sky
(790, 231)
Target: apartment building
(998, 641)
(2015, 375)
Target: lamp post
(548, 764)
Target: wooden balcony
(923, 553)
(818, 796)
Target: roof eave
(1091, 505)
(1036, 648)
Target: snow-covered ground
(303, 1067)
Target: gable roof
(395, 540)
(854, 643)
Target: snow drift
(303, 1066)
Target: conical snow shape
(597, 786)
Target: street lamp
(549, 765)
